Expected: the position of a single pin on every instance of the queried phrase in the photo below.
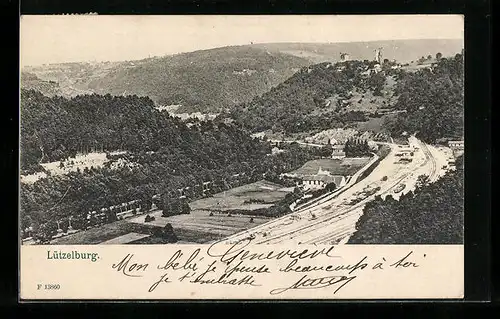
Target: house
(318, 182)
(259, 136)
(321, 179)
(338, 152)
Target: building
(338, 152)
(260, 136)
(321, 179)
(344, 57)
(456, 145)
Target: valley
(272, 143)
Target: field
(201, 222)
(344, 167)
(124, 239)
(235, 198)
(99, 234)
(197, 227)
(79, 162)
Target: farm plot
(253, 196)
(203, 223)
(102, 233)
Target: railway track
(430, 157)
(311, 227)
(337, 234)
(320, 202)
(339, 216)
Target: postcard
(239, 157)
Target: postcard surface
(241, 157)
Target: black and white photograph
(167, 130)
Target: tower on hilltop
(378, 55)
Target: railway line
(332, 218)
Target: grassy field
(235, 198)
(344, 167)
(197, 227)
(103, 233)
(201, 221)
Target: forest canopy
(433, 214)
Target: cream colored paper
(337, 272)
(433, 271)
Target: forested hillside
(53, 128)
(217, 79)
(433, 214)
(163, 154)
(433, 100)
(205, 81)
(323, 96)
(300, 103)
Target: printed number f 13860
(48, 286)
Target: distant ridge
(400, 50)
(215, 80)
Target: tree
(330, 187)
(46, 231)
(167, 233)
(433, 214)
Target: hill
(403, 51)
(205, 81)
(428, 101)
(71, 78)
(318, 97)
(213, 80)
(32, 82)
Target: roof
(325, 178)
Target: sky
(79, 38)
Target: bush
(167, 233)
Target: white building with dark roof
(321, 179)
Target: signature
(307, 282)
(237, 252)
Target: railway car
(399, 188)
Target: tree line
(432, 214)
